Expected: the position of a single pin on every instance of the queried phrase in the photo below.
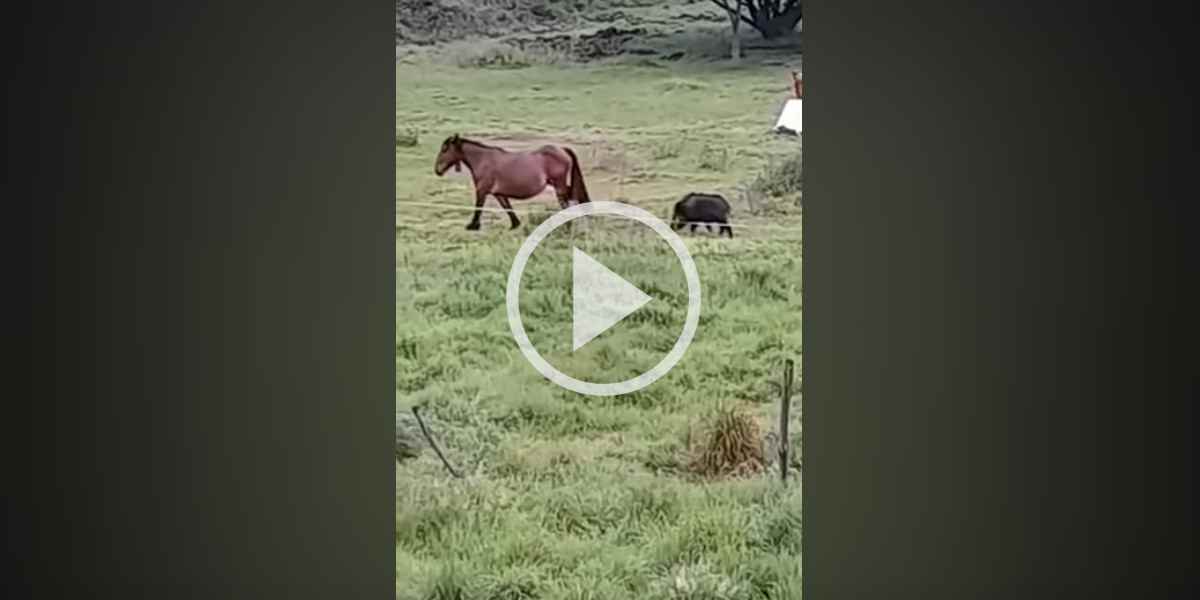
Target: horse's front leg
(480, 198)
(512, 214)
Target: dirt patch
(523, 141)
(611, 159)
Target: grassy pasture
(569, 496)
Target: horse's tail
(576, 189)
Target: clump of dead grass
(730, 444)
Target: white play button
(599, 299)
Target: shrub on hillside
(407, 137)
(781, 177)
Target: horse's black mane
(464, 140)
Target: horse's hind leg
(512, 214)
(562, 191)
(480, 198)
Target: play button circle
(601, 298)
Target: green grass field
(569, 496)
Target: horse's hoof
(472, 226)
(514, 226)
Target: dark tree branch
(734, 11)
(791, 5)
(752, 8)
(768, 17)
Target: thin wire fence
(549, 210)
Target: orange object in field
(797, 85)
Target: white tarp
(789, 117)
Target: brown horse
(511, 175)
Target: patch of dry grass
(730, 445)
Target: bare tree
(735, 20)
(771, 18)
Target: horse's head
(450, 155)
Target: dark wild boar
(702, 209)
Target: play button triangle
(599, 299)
